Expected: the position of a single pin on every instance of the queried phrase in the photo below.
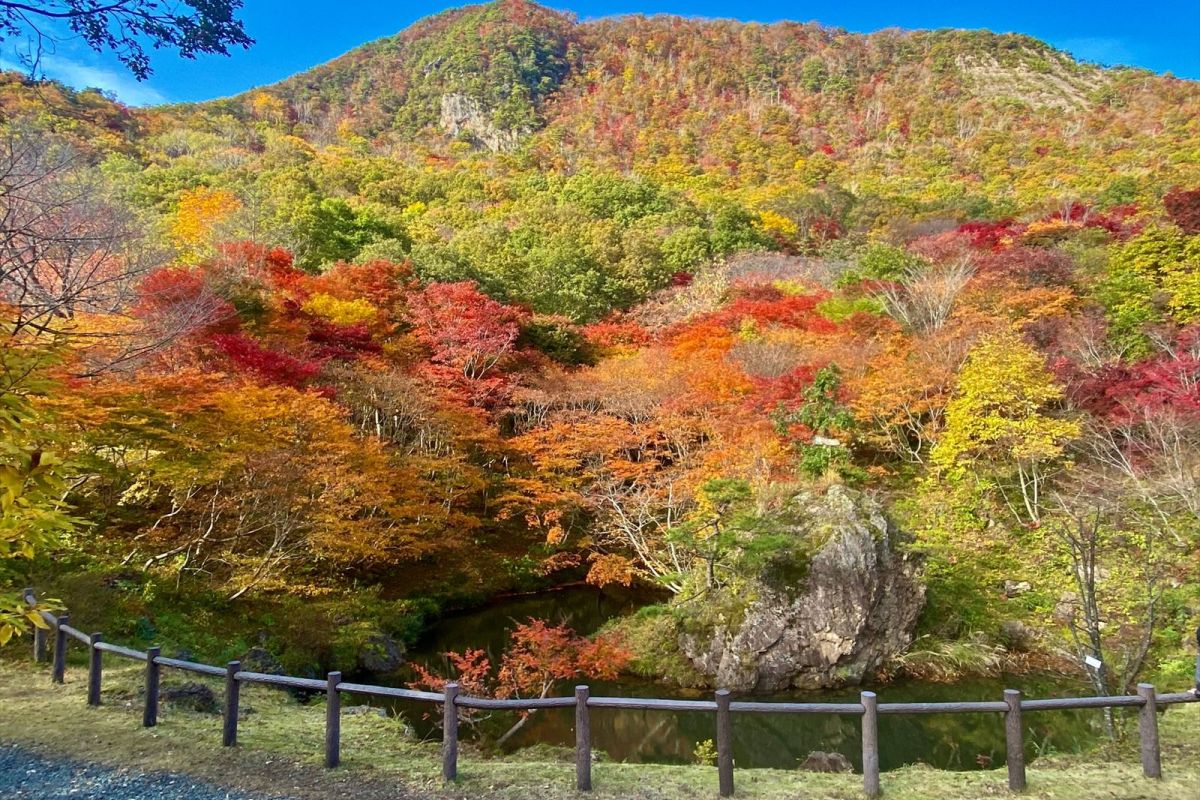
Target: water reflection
(958, 741)
(947, 741)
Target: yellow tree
(33, 515)
(197, 219)
(1000, 425)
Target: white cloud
(85, 76)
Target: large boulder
(381, 654)
(854, 605)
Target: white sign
(1092, 662)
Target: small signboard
(1092, 662)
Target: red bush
(269, 365)
(342, 342)
(989, 235)
(1183, 207)
(179, 299)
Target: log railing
(1012, 706)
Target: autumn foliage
(305, 341)
(537, 658)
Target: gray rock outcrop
(463, 114)
(855, 606)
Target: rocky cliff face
(857, 605)
(463, 114)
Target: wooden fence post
(724, 744)
(450, 733)
(229, 734)
(153, 671)
(1014, 738)
(870, 743)
(60, 650)
(1198, 661)
(333, 721)
(1148, 732)
(583, 741)
(39, 645)
(95, 664)
(39, 633)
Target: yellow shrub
(342, 312)
(775, 224)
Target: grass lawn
(281, 741)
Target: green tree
(827, 419)
(813, 74)
(711, 531)
(125, 27)
(329, 230)
(686, 248)
(613, 197)
(1153, 277)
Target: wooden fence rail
(1012, 706)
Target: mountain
(497, 64)
(970, 114)
(522, 65)
(577, 166)
(967, 114)
(515, 58)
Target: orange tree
(539, 656)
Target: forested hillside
(509, 301)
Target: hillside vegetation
(509, 301)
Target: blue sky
(293, 35)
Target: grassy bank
(280, 742)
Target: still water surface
(947, 741)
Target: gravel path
(25, 774)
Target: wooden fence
(1012, 706)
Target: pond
(946, 741)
